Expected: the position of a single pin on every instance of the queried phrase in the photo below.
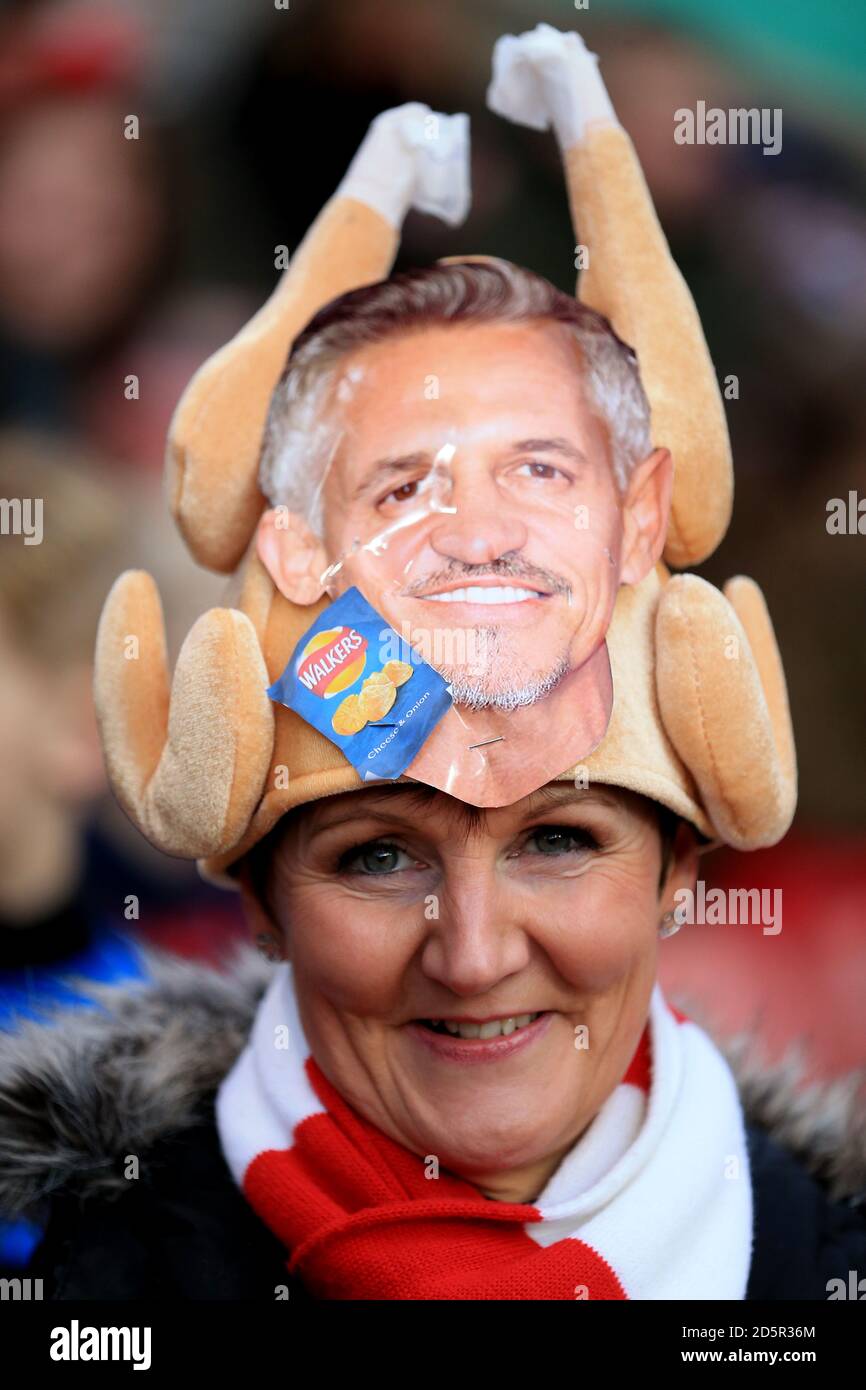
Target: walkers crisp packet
(356, 681)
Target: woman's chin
(483, 1107)
(490, 1151)
(483, 1140)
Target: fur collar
(76, 1098)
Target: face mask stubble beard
(487, 681)
(494, 688)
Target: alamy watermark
(465, 649)
(20, 1290)
(847, 516)
(22, 516)
(729, 907)
(77, 1343)
(739, 125)
(853, 1288)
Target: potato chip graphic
(377, 678)
(348, 716)
(397, 671)
(376, 700)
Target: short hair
(298, 442)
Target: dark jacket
(83, 1099)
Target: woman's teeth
(495, 1028)
(484, 594)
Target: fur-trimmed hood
(90, 1085)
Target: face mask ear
(292, 554)
(646, 509)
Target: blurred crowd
(153, 155)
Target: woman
(463, 1082)
(461, 1079)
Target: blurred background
(121, 257)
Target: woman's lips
(468, 1051)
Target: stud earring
(268, 947)
(668, 926)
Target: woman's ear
(645, 512)
(292, 554)
(682, 868)
(264, 931)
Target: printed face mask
(465, 487)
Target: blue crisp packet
(363, 687)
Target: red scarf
(357, 1212)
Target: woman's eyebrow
(385, 814)
(397, 807)
(564, 794)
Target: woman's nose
(481, 524)
(474, 946)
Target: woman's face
(413, 921)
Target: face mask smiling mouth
(455, 584)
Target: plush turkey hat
(205, 763)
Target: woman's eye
(557, 839)
(375, 858)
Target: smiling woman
(427, 941)
(461, 1082)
